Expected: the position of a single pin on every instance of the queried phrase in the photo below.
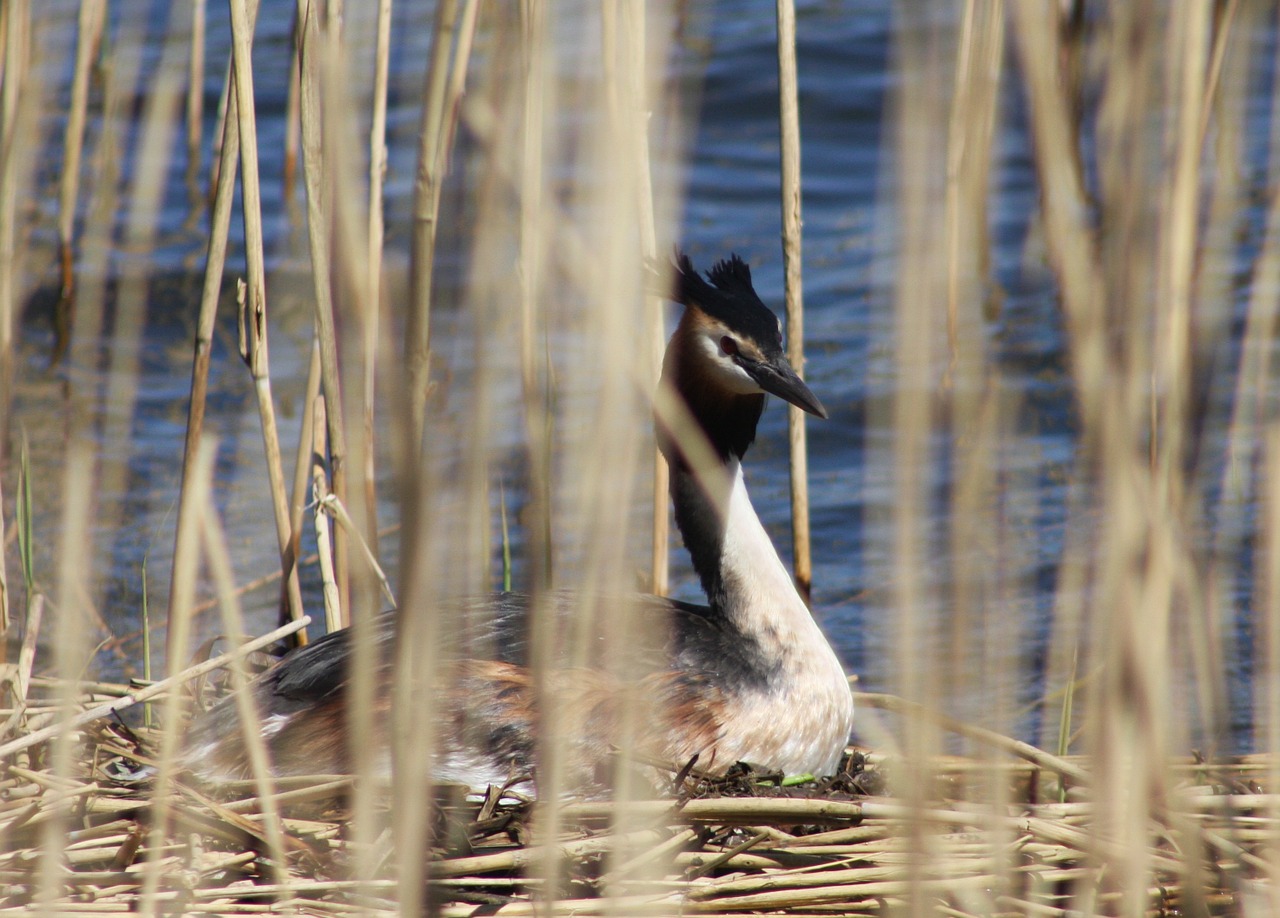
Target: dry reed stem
(789, 133)
(1223, 138)
(630, 111)
(456, 89)
(1245, 431)
(847, 875)
(428, 566)
(6, 615)
(736, 810)
(991, 738)
(219, 562)
(426, 202)
(88, 38)
(1072, 248)
(977, 409)
(347, 238)
(1190, 44)
(909, 414)
(1266, 705)
(215, 265)
(1226, 18)
(17, 83)
(155, 690)
(649, 857)
(71, 597)
(322, 790)
(723, 858)
(609, 476)
(20, 138)
(1076, 264)
(258, 583)
(970, 131)
(7, 64)
(1133, 712)
(253, 321)
(1254, 372)
(17, 676)
(220, 126)
(333, 609)
(333, 507)
(319, 173)
(351, 246)
(185, 571)
(373, 302)
(1182, 254)
(195, 87)
(537, 88)
(302, 471)
(534, 857)
(215, 261)
(253, 328)
(292, 119)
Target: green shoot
(1064, 723)
(506, 540)
(25, 536)
(146, 645)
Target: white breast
(801, 723)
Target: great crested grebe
(749, 677)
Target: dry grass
(721, 847)
(1136, 128)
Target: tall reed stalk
(426, 213)
(789, 119)
(195, 88)
(18, 99)
(74, 622)
(253, 309)
(319, 43)
(915, 150)
(19, 107)
(88, 42)
(373, 305)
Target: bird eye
(729, 346)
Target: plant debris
(748, 841)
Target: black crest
(728, 295)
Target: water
(846, 78)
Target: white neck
(761, 597)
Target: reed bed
(474, 352)
(743, 844)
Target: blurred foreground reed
(547, 155)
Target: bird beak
(778, 378)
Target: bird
(749, 677)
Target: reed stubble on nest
(718, 855)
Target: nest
(878, 836)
